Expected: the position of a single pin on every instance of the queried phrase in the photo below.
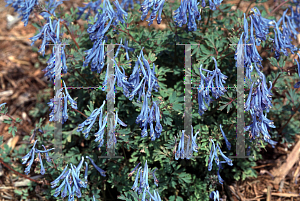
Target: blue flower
(214, 195)
(102, 172)
(211, 157)
(2, 104)
(224, 136)
(228, 160)
(182, 155)
(154, 177)
(136, 181)
(131, 173)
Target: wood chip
(6, 93)
(282, 171)
(283, 194)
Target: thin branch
(279, 6)
(20, 174)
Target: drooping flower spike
(31, 154)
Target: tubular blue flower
(224, 136)
(180, 16)
(182, 154)
(139, 190)
(177, 154)
(214, 195)
(73, 103)
(211, 156)
(152, 134)
(26, 157)
(41, 162)
(58, 190)
(158, 127)
(55, 182)
(102, 172)
(194, 138)
(144, 195)
(154, 177)
(255, 57)
(47, 155)
(215, 153)
(228, 160)
(64, 111)
(2, 104)
(136, 181)
(247, 104)
(145, 176)
(131, 173)
(219, 176)
(212, 5)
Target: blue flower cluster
(156, 5)
(260, 96)
(97, 31)
(23, 7)
(180, 14)
(188, 153)
(134, 86)
(59, 107)
(71, 183)
(31, 154)
(207, 84)
(214, 155)
(281, 42)
(51, 33)
(144, 187)
(102, 123)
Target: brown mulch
(21, 85)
